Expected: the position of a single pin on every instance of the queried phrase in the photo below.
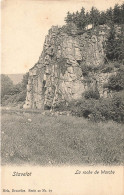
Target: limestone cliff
(59, 73)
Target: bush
(92, 94)
(116, 82)
(86, 69)
(21, 96)
(82, 107)
(62, 65)
(70, 29)
(99, 110)
(8, 100)
(113, 108)
(61, 106)
(107, 69)
(117, 64)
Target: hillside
(16, 78)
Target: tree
(82, 18)
(120, 45)
(76, 18)
(25, 80)
(13, 93)
(102, 18)
(122, 13)
(110, 44)
(94, 16)
(114, 45)
(87, 18)
(22, 88)
(69, 18)
(117, 14)
(6, 85)
(109, 16)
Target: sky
(25, 23)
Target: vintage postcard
(62, 97)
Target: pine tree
(110, 44)
(102, 18)
(68, 19)
(115, 45)
(117, 14)
(82, 19)
(122, 14)
(109, 16)
(120, 45)
(87, 18)
(94, 16)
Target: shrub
(107, 69)
(8, 100)
(117, 64)
(5, 97)
(61, 106)
(85, 69)
(21, 96)
(102, 109)
(62, 65)
(46, 107)
(70, 29)
(113, 108)
(116, 82)
(82, 107)
(92, 94)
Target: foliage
(6, 85)
(21, 96)
(61, 106)
(25, 80)
(13, 94)
(107, 69)
(117, 14)
(103, 109)
(95, 17)
(67, 29)
(86, 69)
(114, 45)
(91, 94)
(116, 82)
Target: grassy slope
(47, 140)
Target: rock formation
(58, 76)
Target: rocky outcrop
(58, 75)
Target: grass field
(33, 138)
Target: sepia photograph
(62, 92)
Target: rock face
(58, 75)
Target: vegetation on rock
(95, 17)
